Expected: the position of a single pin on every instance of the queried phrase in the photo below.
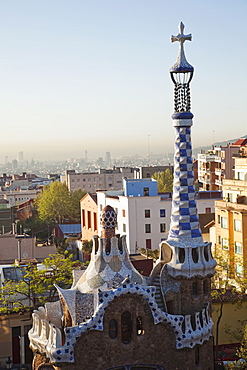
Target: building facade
(106, 179)
(216, 165)
(145, 219)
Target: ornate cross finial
(181, 37)
(181, 64)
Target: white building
(16, 197)
(144, 218)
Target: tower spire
(185, 233)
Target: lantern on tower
(181, 75)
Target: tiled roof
(70, 228)
(229, 295)
(241, 142)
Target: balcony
(209, 158)
(219, 171)
(218, 182)
(204, 180)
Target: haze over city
(92, 75)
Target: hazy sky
(93, 75)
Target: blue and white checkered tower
(191, 256)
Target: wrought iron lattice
(181, 97)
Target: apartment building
(216, 165)
(231, 218)
(148, 171)
(105, 179)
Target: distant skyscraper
(108, 158)
(20, 157)
(14, 164)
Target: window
(89, 219)
(205, 287)
(224, 243)
(147, 228)
(239, 269)
(147, 213)
(229, 197)
(146, 192)
(95, 221)
(83, 218)
(162, 228)
(139, 327)
(112, 329)
(218, 219)
(237, 225)
(123, 212)
(100, 207)
(197, 356)
(207, 210)
(126, 327)
(238, 248)
(223, 222)
(124, 228)
(194, 289)
(162, 213)
(148, 244)
(240, 175)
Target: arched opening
(181, 255)
(126, 327)
(201, 319)
(193, 322)
(197, 355)
(205, 287)
(195, 289)
(112, 329)
(139, 326)
(166, 252)
(206, 256)
(195, 255)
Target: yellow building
(14, 343)
(234, 311)
(231, 219)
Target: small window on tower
(139, 326)
(195, 289)
(113, 329)
(126, 327)
(197, 355)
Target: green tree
(87, 246)
(54, 203)
(34, 226)
(224, 281)
(165, 180)
(75, 198)
(150, 253)
(34, 287)
(241, 352)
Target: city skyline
(92, 75)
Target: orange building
(89, 210)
